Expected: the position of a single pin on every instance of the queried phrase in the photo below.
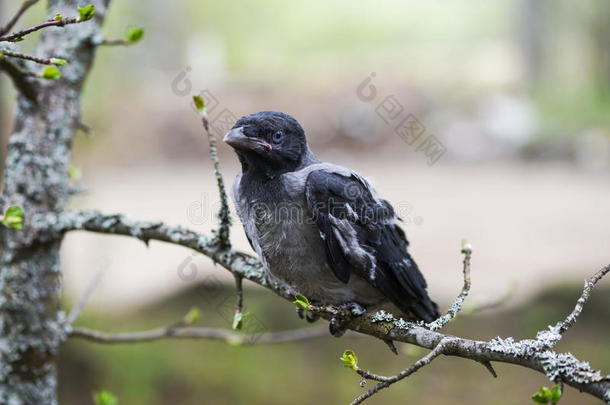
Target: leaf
(301, 301)
(74, 173)
(13, 217)
(555, 394)
(58, 17)
(192, 316)
(539, 398)
(543, 396)
(237, 321)
(104, 397)
(466, 247)
(349, 359)
(133, 34)
(86, 13)
(1, 55)
(199, 103)
(50, 73)
(59, 62)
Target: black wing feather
(345, 212)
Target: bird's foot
(310, 317)
(338, 322)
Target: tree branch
(80, 304)
(18, 36)
(43, 61)
(589, 284)
(456, 307)
(199, 333)
(239, 292)
(114, 42)
(535, 354)
(224, 215)
(440, 348)
(22, 79)
(24, 7)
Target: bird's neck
(255, 169)
(308, 159)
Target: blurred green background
(518, 94)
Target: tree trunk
(36, 178)
(3, 112)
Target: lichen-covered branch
(536, 354)
(456, 307)
(555, 365)
(224, 215)
(586, 293)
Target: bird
(319, 227)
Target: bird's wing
(361, 235)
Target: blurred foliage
(195, 372)
(307, 57)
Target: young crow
(320, 227)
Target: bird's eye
(278, 136)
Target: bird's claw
(337, 325)
(310, 317)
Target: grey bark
(36, 178)
(3, 112)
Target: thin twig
(43, 61)
(239, 291)
(387, 381)
(80, 304)
(21, 78)
(455, 308)
(199, 333)
(586, 292)
(115, 42)
(86, 128)
(24, 7)
(17, 36)
(224, 215)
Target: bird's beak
(236, 139)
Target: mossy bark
(32, 325)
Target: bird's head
(268, 142)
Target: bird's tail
(425, 309)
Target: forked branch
(536, 354)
